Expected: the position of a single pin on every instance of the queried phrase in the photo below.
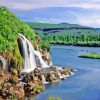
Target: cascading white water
(42, 62)
(30, 55)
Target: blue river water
(84, 84)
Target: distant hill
(62, 28)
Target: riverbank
(76, 44)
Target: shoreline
(78, 45)
(32, 84)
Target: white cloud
(86, 21)
(49, 20)
(93, 21)
(33, 4)
(83, 18)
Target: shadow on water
(84, 84)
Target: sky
(83, 12)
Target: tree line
(82, 40)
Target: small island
(92, 55)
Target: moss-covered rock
(33, 88)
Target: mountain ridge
(62, 28)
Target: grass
(92, 55)
(52, 98)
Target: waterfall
(32, 58)
(42, 62)
(28, 54)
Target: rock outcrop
(8, 86)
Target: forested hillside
(62, 29)
(67, 34)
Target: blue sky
(83, 12)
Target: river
(84, 84)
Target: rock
(12, 92)
(49, 77)
(53, 67)
(72, 70)
(67, 71)
(20, 92)
(46, 57)
(4, 76)
(14, 79)
(36, 70)
(38, 74)
(14, 72)
(33, 88)
(27, 78)
(8, 86)
(57, 75)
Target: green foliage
(10, 27)
(62, 29)
(92, 55)
(45, 44)
(36, 88)
(50, 26)
(67, 34)
(52, 98)
(80, 40)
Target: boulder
(32, 88)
